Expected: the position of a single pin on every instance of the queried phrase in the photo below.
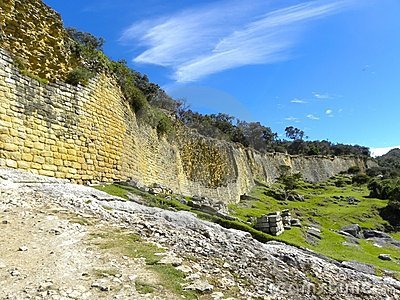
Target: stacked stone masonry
(275, 223)
(91, 134)
(35, 34)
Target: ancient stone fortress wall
(34, 33)
(91, 134)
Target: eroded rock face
(230, 259)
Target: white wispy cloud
(292, 119)
(299, 101)
(224, 35)
(312, 117)
(322, 96)
(329, 112)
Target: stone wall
(91, 134)
(34, 33)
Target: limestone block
(49, 167)
(27, 157)
(46, 173)
(60, 175)
(47, 154)
(58, 162)
(28, 144)
(38, 146)
(39, 159)
(10, 147)
(23, 165)
(11, 163)
(72, 158)
(76, 165)
(4, 130)
(36, 166)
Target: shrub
(360, 179)
(165, 125)
(134, 96)
(79, 76)
(354, 170)
(340, 182)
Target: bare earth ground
(46, 255)
(52, 237)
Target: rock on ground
(60, 260)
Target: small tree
(294, 133)
(290, 182)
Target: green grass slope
(325, 206)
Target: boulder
(315, 232)
(200, 286)
(375, 234)
(353, 229)
(295, 223)
(352, 200)
(385, 257)
(295, 197)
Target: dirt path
(47, 254)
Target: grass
(144, 288)
(80, 221)
(114, 189)
(105, 272)
(131, 245)
(320, 208)
(122, 190)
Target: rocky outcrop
(222, 261)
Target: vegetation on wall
(136, 88)
(155, 108)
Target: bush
(360, 179)
(354, 170)
(165, 125)
(340, 182)
(79, 76)
(385, 189)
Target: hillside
(106, 247)
(390, 160)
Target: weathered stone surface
(353, 229)
(230, 258)
(315, 232)
(375, 234)
(295, 223)
(71, 132)
(364, 268)
(385, 257)
(35, 34)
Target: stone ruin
(276, 223)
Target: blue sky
(329, 67)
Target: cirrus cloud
(212, 38)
